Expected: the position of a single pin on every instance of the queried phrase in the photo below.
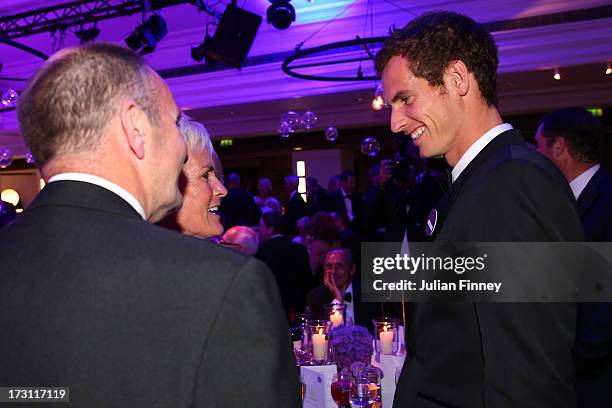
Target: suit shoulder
(189, 251)
(517, 165)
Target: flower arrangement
(351, 344)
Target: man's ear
(133, 124)
(559, 146)
(458, 77)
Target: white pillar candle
(386, 341)
(336, 318)
(319, 345)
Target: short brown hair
(69, 102)
(583, 133)
(434, 40)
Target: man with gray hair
(96, 299)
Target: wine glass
(365, 389)
(341, 388)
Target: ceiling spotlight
(557, 75)
(608, 69)
(87, 35)
(198, 53)
(145, 37)
(378, 102)
(280, 14)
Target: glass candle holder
(386, 335)
(336, 313)
(317, 332)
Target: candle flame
(321, 330)
(385, 328)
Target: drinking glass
(341, 388)
(365, 389)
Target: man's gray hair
(69, 102)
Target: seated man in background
(242, 239)
(341, 285)
(125, 313)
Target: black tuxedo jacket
(496, 354)
(337, 204)
(296, 209)
(290, 265)
(128, 314)
(239, 208)
(318, 201)
(593, 349)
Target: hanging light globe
(331, 134)
(370, 146)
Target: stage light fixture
(280, 14)
(199, 53)
(87, 35)
(145, 37)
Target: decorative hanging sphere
(293, 119)
(284, 129)
(309, 119)
(6, 157)
(370, 146)
(9, 98)
(331, 134)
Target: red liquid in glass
(340, 391)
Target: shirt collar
(579, 183)
(99, 181)
(477, 147)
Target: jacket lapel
(439, 214)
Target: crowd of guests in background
(295, 235)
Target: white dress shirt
(99, 181)
(477, 147)
(579, 183)
(350, 306)
(348, 203)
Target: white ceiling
(250, 102)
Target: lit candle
(386, 341)
(336, 318)
(319, 345)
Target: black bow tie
(348, 297)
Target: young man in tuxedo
(439, 78)
(96, 298)
(574, 140)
